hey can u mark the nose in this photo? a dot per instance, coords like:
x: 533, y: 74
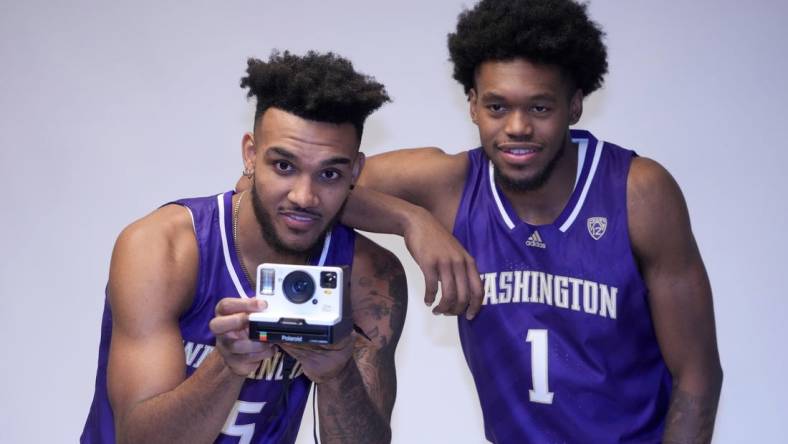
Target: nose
x: 302, y: 194
x: 518, y: 125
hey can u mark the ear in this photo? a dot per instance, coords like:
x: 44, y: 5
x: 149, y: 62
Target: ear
x: 248, y: 151
x: 472, y: 97
x: 576, y: 107
x: 358, y: 165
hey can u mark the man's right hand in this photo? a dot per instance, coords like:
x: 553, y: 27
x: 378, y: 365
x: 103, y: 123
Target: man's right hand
x: 231, y: 328
x: 443, y: 259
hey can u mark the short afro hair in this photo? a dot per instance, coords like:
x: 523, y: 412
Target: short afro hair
x: 552, y: 32
x: 320, y: 87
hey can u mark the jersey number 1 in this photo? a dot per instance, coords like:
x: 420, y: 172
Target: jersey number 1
x: 541, y: 392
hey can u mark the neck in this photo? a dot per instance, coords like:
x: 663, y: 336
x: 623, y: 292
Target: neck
x: 543, y: 205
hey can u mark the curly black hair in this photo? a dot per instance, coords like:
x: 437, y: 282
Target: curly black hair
x: 553, y: 32
x: 320, y: 87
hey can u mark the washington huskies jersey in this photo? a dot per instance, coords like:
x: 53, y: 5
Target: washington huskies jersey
x: 264, y: 412
x: 563, y: 349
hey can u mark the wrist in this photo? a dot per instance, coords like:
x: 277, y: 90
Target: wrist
x: 224, y: 370
x: 412, y: 216
x: 342, y: 377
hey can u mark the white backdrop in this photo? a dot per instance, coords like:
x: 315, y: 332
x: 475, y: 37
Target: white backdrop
x: 109, y: 109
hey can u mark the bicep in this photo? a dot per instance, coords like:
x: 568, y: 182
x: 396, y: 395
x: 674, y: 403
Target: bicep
x: 143, y: 366
x: 150, y: 285
x: 679, y: 291
x: 422, y: 176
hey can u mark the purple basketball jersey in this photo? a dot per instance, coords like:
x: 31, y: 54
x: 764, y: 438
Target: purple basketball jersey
x: 563, y: 350
x: 263, y: 412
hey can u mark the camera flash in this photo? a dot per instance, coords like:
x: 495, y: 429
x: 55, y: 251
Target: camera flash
x: 266, y: 277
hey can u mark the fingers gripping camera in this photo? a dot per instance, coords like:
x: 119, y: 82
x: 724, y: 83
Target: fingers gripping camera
x: 306, y: 304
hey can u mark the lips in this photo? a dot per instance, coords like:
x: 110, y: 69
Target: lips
x: 519, y: 151
x: 518, y: 154
x: 299, y: 220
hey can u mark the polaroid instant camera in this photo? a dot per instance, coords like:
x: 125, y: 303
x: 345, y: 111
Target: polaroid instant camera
x: 306, y: 304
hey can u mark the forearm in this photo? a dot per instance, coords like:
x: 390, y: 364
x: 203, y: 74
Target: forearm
x: 370, y: 210
x: 193, y: 412
x: 692, y: 411
x: 347, y: 413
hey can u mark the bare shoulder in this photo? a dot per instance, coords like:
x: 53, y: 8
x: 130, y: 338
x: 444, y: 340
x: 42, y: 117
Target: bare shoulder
x: 154, y: 263
x: 423, y: 176
x: 658, y: 216
x: 171, y: 223
x: 649, y: 180
x: 378, y: 292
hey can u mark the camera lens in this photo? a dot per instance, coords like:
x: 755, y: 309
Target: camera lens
x: 298, y: 287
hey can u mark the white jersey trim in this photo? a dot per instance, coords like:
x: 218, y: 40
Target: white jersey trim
x: 586, y: 186
x: 497, y: 198
x: 194, y: 227
x: 324, y: 253
x: 582, y: 148
x: 581, y: 158
x: 226, y: 249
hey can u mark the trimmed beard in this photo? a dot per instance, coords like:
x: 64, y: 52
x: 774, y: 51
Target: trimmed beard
x: 533, y: 183
x: 271, y: 237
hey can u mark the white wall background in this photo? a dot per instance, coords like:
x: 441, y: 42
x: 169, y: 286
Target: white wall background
x: 108, y: 109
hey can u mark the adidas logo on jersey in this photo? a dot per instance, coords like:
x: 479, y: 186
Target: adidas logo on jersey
x: 534, y: 240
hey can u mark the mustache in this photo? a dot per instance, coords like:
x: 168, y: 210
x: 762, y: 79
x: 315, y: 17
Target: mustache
x: 301, y: 210
x: 530, y: 143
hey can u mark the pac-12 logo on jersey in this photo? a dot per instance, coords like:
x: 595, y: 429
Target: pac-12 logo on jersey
x: 597, y: 226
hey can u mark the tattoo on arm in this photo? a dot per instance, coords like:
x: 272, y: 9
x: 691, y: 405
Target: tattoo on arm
x: 384, y: 307
x: 690, y: 418
x: 362, y: 400
x: 349, y: 418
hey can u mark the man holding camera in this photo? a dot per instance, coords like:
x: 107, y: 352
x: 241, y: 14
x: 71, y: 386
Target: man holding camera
x: 180, y: 284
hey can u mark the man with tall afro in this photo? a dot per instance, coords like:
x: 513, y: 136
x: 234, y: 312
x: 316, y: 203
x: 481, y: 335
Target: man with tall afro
x: 597, y: 322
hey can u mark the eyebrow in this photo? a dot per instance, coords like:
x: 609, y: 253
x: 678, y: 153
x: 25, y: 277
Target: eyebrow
x: 491, y: 96
x: 337, y: 160
x: 282, y: 152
